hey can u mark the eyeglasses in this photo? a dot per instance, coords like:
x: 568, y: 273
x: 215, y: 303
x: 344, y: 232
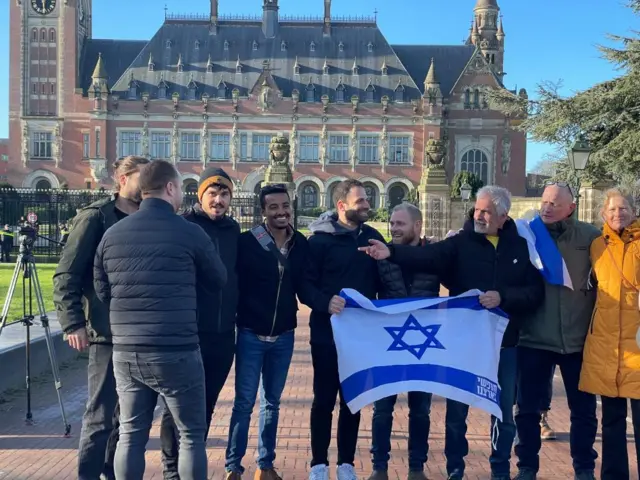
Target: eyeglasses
x: 561, y: 185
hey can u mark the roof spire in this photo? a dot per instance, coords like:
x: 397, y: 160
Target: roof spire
x: 500, y: 28
x: 99, y: 72
x: 431, y: 74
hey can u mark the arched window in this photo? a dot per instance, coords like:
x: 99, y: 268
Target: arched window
x: 467, y: 98
x: 397, y: 194
x: 475, y: 161
x: 330, y: 192
x: 311, y: 94
x: 372, y: 194
x: 476, y: 98
x: 34, y: 35
x: 340, y: 94
x: 309, y: 195
x: 190, y: 187
x: 399, y: 94
x: 52, y: 36
x: 43, y: 184
x: 43, y: 35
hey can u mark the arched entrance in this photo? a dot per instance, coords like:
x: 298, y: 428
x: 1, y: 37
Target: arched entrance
x: 397, y: 194
x: 309, y: 195
x: 43, y: 184
x: 373, y: 195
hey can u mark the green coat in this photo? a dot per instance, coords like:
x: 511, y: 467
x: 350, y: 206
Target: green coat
x: 561, y: 324
x: 73, y: 295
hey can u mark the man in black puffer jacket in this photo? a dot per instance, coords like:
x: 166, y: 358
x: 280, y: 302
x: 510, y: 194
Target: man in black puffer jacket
x: 216, y: 308
x: 398, y: 282
x: 146, y: 268
x: 488, y: 255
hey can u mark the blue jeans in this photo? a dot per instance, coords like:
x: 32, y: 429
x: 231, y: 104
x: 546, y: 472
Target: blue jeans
x: 419, y: 424
x: 178, y: 377
x: 255, y: 359
x: 456, y: 446
x: 534, y: 366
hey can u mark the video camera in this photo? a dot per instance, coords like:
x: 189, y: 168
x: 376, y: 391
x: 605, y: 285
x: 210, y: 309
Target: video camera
x: 26, y: 236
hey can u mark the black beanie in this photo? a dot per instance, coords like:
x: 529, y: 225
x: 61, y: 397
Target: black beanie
x: 213, y: 176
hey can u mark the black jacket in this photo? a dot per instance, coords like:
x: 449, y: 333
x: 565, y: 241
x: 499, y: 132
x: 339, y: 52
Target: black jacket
x: 217, y: 308
x: 400, y: 282
x: 469, y: 261
x: 338, y: 264
x: 147, y: 267
x: 73, y: 294
x: 269, y: 305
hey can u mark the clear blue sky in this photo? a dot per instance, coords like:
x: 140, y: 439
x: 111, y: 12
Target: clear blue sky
x: 546, y: 39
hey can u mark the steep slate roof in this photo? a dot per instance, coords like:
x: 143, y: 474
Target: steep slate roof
x: 297, y: 36
x: 117, y: 55
x: 449, y: 61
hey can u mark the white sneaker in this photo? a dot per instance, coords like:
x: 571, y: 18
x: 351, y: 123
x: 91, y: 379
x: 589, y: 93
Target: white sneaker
x: 319, y: 472
x: 346, y: 472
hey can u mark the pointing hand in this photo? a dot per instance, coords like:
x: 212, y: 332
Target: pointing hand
x: 376, y: 250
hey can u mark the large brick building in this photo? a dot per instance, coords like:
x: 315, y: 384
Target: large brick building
x: 213, y: 89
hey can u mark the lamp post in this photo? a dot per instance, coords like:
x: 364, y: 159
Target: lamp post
x: 578, y: 159
x: 465, y: 193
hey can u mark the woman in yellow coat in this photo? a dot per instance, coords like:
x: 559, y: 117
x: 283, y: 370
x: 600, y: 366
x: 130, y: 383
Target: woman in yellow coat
x: 611, y: 366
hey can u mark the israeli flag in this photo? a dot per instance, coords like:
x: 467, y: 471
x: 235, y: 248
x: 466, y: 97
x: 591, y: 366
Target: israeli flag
x: 543, y: 252
x: 449, y: 346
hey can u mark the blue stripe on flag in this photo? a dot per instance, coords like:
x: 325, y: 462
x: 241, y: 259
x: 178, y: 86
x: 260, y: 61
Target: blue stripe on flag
x: 549, y: 254
x: 468, y: 303
x: 365, y: 380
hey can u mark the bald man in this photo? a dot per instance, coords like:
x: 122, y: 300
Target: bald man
x: 556, y: 336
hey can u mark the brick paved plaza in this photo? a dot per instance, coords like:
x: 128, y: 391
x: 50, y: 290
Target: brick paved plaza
x: 41, y: 453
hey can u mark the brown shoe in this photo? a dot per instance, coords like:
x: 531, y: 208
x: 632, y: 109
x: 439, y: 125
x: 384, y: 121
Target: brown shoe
x: 234, y: 476
x: 546, y: 432
x: 417, y: 476
x: 379, y: 475
x: 267, y: 474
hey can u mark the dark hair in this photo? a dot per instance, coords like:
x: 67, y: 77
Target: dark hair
x: 270, y: 190
x: 154, y: 176
x: 127, y: 166
x: 343, y: 188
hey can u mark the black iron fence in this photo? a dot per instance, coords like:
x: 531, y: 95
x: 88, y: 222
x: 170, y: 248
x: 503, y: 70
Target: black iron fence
x: 55, y: 208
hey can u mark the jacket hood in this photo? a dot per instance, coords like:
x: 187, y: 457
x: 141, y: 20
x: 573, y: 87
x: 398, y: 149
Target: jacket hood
x: 629, y: 234
x: 328, y: 223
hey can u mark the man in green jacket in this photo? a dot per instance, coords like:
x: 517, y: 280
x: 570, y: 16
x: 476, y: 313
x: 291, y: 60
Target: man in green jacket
x: 556, y: 336
x: 85, y: 320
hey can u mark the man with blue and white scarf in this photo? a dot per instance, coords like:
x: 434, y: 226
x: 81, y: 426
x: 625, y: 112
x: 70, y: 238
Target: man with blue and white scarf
x: 559, y: 248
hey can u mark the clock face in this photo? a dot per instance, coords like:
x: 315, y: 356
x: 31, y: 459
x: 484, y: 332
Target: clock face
x: 43, y: 7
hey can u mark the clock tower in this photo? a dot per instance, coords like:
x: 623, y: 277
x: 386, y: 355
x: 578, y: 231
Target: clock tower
x: 46, y: 40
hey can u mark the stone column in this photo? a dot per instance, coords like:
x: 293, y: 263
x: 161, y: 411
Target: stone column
x: 434, y: 192
x: 590, y: 201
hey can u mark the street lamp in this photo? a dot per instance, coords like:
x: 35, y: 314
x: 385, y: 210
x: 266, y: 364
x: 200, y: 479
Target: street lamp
x: 578, y: 158
x: 465, y: 193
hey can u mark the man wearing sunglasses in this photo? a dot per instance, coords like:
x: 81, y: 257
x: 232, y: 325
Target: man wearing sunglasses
x: 555, y: 335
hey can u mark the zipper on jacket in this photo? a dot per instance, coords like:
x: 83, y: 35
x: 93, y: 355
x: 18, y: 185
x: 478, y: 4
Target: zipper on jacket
x: 275, y: 310
x: 220, y: 291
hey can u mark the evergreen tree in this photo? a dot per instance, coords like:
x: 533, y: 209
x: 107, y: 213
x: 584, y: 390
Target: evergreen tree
x: 607, y: 114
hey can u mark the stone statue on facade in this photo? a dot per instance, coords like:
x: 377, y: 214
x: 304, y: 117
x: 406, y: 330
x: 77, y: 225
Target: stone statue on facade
x: 56, y: 146
x: 145, y: 139
x: 323, y: 145
x: 175, y: 143
x: 293, y: 142
x: 384, y: 146
x: 234, y: 144
x: 354, y: 146
x: 25, y: 143
x: 98, y: 169
x: 204, y: 144
x: 506, y: 154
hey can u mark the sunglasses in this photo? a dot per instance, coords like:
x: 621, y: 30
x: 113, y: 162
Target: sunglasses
x: 561, y: 185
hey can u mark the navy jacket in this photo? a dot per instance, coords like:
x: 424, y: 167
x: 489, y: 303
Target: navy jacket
x: 146, y: 268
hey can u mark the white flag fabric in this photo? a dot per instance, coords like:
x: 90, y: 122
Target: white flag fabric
x: 448, y: 346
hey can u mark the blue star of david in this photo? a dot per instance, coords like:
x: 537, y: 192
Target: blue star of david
x: 412, y: 324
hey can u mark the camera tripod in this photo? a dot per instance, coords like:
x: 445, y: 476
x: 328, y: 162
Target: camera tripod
x: 26, y: 264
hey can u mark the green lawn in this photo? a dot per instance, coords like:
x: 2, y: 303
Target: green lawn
x: 45, y: 274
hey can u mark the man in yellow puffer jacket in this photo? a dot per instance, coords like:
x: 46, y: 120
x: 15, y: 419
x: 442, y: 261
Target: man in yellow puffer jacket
x: 611, y: 365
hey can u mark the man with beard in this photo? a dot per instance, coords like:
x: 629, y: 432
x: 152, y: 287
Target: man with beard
x: 488, y: 255
x: 338, y: 263
x: 216, y: 309
x: 273, y: 266
x: 147, y: 268
x: 85, y: 320
x: 397, y: 282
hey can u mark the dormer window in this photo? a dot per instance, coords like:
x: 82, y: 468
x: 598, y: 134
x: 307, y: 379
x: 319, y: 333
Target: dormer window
x: 238, y: 67
x: 369, y: 91
x: 310, y: 94
x: 196, y: 45
x: 255, y: 46
x: 325, y: 69
x: 180, y: 67
x: 193, y: 90
x: 283, y: 46
x: 296, y: 67
x: 209, y: 66
x: 340, y: 93
x: 168, y: 44
x: 152, y: 66
x: 222, y: 91
x: 312, y: 47
x: 398, y: 96
x: 226, y: 45
x: 341, y: 47
x: 133, y: 91
x: 370, y: 47
x: 162, y: 91
x: 354, y: 69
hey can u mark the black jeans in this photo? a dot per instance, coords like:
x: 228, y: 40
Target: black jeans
x: 326, y: 385
x: 534, y: 367
x: 99, y: 435
x: 615, y: 458
x: 6, y: 254
x: 217, y: 352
